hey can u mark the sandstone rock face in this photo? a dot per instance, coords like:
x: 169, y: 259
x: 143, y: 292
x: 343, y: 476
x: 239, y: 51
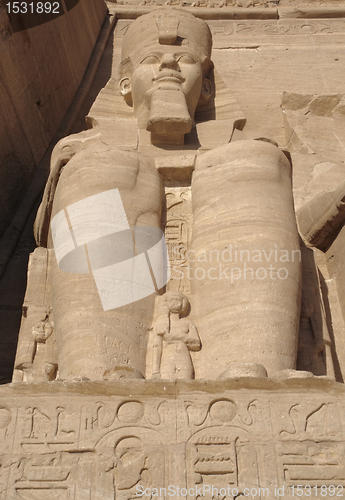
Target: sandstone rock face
x: 41, y: 69
x: 251, y: 439
x: 203, y: 259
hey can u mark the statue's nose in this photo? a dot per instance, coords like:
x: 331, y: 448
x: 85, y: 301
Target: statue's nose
x: 169, y: 61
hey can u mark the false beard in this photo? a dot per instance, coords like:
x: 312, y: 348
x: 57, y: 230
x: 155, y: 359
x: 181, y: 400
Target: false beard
x: 169, y: 115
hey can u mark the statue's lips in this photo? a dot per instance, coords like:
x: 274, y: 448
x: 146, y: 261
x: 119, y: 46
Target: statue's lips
x: 169, y: 78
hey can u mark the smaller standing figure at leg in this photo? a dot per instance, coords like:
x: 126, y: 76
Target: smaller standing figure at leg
x: 174, y: 336
x: 40, y: 362
x: 314, y: 353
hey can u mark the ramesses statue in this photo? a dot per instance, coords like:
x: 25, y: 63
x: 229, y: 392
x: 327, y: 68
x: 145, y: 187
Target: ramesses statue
x: 179, y: 128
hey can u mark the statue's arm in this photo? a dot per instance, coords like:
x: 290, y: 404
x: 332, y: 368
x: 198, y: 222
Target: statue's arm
x: 161, y: 328
x: 51, y: 351
x: 156, y: 356
x: 321, y: 219
x: 193, y: 340
x: 26, y: 354
x: 64, y: 150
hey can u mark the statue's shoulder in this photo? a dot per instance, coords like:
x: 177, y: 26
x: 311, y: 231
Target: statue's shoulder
x: 111, y: 135
x: 99, y: 144
x: 69, y: 146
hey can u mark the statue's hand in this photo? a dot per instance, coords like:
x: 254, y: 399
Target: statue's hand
x: 24, y: 366
x: 49, y: 368
x: 162, y: 326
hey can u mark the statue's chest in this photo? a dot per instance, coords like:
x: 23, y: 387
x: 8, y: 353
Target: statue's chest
x: 97, y: 170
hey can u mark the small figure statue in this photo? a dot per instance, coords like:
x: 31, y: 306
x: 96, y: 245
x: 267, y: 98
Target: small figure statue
x: 311, y: 345
x: 40, y: 362
x: 321, y: 223
x: 174, y: 337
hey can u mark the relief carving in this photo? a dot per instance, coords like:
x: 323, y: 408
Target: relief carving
x: 178, y: 230
x: 315, y: 349
x: 236, y: 31
x: 5, y: 418
x: 246, y: 414
x: 311, y: 347
x: 40, y: 361
x: 101, y: 418
x: 8, y: 420
x: 46, y: 431
x: 36, y: 358
x: 130, y: 412
x: 52, y: 476
x: 137, y: 458
x: 302, y: 421
x: 222, y: 458
x: 311, y: 464
x: 174, y: 335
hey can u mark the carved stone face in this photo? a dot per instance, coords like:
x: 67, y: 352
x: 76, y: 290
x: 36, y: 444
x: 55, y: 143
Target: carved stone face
x: 42, y: 331
x: 177, y: 302
x: 165, y: 67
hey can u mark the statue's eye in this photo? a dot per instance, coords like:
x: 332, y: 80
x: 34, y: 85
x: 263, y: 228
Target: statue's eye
x: 186, y: 59
x: 151, y: 59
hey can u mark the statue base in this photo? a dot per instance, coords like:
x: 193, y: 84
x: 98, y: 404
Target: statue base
x: 134, y: 438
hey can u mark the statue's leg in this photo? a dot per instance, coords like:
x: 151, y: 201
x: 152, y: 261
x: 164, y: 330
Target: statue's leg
x: 94, y: 341
x: 247, y: 280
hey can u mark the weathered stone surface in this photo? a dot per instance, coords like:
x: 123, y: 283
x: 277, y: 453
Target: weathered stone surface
x: 41, y: 69
x: 92, y: 341
x: 101, y: 440
x: 243, y: 223
x: 252, y: 312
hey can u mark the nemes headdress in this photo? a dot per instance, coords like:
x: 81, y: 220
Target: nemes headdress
x: 167, y: 26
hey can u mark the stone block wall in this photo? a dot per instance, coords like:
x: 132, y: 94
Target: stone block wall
x: 40, y: 71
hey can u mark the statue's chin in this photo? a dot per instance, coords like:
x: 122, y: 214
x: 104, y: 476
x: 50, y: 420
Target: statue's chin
x: 169, y: 115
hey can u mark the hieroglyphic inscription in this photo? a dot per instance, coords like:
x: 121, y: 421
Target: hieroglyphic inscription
x: 223, y: 458
x: 46, y: 430
x: 267, y: 27
x: 245, y: 28
x: 311, y: 463
x: 310, y: 3
x: 178, y: 229
x: 216, y: 462
x: 239, y: 5
x: 307, y: 421
x: 101, y: 447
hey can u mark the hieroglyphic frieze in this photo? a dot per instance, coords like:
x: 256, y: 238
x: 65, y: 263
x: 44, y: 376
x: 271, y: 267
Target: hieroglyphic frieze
x: 268, y: 27
x: 103, y: 446
x: 283, y: 27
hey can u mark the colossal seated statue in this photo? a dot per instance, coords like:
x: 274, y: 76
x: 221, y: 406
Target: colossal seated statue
x: 241, y: 255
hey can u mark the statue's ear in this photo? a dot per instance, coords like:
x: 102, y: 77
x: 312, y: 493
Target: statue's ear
x: 126, y: 90
x: 206, y: 92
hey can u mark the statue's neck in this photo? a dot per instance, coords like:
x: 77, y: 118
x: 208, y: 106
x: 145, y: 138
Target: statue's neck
x: 174, y: 316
